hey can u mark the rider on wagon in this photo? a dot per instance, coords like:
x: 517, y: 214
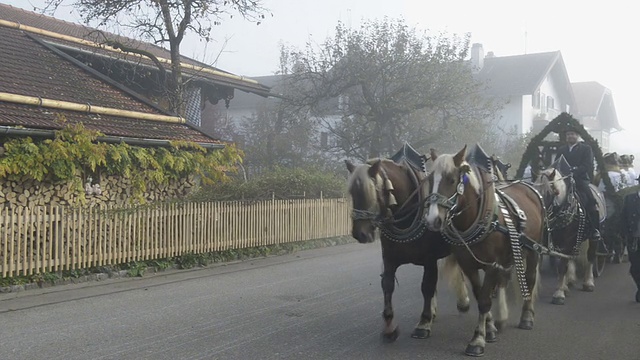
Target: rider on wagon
x: 579, y: 155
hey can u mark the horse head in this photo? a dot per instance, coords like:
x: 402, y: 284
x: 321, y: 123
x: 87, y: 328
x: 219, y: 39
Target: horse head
x: 377, y: 188
x: 552, y: 186
x: 452, y: 181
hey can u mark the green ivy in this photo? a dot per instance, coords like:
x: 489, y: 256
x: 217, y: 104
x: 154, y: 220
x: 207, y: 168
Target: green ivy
x: 74, y: 149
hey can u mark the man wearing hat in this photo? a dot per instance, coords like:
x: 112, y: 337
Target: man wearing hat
x: 631, y: 226
x: 580, y: 156
x: 626, y: 163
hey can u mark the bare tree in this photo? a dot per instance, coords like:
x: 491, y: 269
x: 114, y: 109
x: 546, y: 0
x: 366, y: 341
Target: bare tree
x: 165, y: 22
x: 385, y: 83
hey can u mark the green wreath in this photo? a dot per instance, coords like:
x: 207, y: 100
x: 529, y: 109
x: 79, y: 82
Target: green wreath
x: 560, y: 125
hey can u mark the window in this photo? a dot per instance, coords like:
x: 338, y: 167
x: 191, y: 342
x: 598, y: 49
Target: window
x: 535, y: 100
x: 324, y: 140
x: 551, y: 103
x: 543, y: 103
x: 343, y: 102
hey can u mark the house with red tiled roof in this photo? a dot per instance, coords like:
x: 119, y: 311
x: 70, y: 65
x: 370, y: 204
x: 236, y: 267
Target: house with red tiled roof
x: 51, y: 69
x: 56, y: 61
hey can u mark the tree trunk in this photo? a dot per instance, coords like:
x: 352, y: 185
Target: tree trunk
x: 177, y: 87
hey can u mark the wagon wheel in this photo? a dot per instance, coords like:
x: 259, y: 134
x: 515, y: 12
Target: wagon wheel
x: 601, y: 260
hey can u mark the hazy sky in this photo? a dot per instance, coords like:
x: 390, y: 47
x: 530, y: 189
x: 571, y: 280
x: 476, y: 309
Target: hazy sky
x: 597, y: 40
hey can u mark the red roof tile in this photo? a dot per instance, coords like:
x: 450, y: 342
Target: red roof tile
x: 31, y: 69
x: 48, y: 23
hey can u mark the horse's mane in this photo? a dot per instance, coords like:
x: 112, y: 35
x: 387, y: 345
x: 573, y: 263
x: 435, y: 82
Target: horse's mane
x: 444, y: 164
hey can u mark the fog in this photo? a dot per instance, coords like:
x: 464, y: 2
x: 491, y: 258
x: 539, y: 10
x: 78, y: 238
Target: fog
x: 596, y: 41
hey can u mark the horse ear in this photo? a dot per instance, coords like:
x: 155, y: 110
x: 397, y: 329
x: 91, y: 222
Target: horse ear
x: 459, y: 157
x: 432, y: 153
x: 350, y: 166
x: 553, y: 174
x: 374, y: 169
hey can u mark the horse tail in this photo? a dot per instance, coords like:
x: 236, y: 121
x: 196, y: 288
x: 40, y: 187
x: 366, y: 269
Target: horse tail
x: 514, y: 285
x: 451, y: 271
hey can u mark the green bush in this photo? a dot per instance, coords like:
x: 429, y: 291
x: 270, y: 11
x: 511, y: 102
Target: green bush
x: 281, y: 183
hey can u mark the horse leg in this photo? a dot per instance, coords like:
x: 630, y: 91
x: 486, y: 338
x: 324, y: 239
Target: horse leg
x: 531, y: 277
x: 588, y: 283
x: 485, y: 330
x: 428, y: 288
x: 502, y: 308
x: 390, y: 332
x: 564, y: 277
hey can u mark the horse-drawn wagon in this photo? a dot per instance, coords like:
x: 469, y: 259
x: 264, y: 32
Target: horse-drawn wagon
x: 542, y: 153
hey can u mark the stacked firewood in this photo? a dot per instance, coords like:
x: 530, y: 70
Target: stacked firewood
x: 114, y: 190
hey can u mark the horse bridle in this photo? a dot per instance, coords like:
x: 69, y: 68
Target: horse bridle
x: 449, y: 203
x: 555, y: 190
x: 375, y: 214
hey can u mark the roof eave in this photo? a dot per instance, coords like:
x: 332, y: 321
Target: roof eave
x: 19, y: 131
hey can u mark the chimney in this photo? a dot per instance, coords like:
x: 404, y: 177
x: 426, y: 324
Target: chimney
x: 477, y: 57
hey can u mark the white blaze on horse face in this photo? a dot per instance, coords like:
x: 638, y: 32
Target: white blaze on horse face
x: 434, y: 212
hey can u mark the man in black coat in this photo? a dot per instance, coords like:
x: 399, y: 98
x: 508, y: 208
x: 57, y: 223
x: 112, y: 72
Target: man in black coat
x: 631, y: 227
x: 580, y: 156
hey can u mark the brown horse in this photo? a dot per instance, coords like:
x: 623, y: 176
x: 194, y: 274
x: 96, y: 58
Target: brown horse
x: 389, y: 195
x: 567, y: 221
x: 486, y: 225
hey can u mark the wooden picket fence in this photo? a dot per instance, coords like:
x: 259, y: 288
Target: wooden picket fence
x: 52, y: 238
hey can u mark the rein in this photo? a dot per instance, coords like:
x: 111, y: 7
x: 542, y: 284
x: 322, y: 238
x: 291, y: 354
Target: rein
x: 385, y: 219
x: 484, y: 221
x: 417, y: 227
x: 481, y: 227
x: 561, y: 215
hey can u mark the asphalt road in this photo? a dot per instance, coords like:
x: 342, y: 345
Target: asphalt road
x: 317, y: 304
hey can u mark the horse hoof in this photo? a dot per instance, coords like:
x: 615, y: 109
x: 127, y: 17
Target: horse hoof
x: 420, y: 333
x: 526, y: 324
x: 391, y: 337
x: 491, y: 337
x: 501, y: 325
x: 474, y: 350
x: 588, y: 288
x: 463, y: 308
x: 557, y: 300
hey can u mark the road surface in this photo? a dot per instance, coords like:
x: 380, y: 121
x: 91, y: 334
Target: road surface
x: 316, y: 304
